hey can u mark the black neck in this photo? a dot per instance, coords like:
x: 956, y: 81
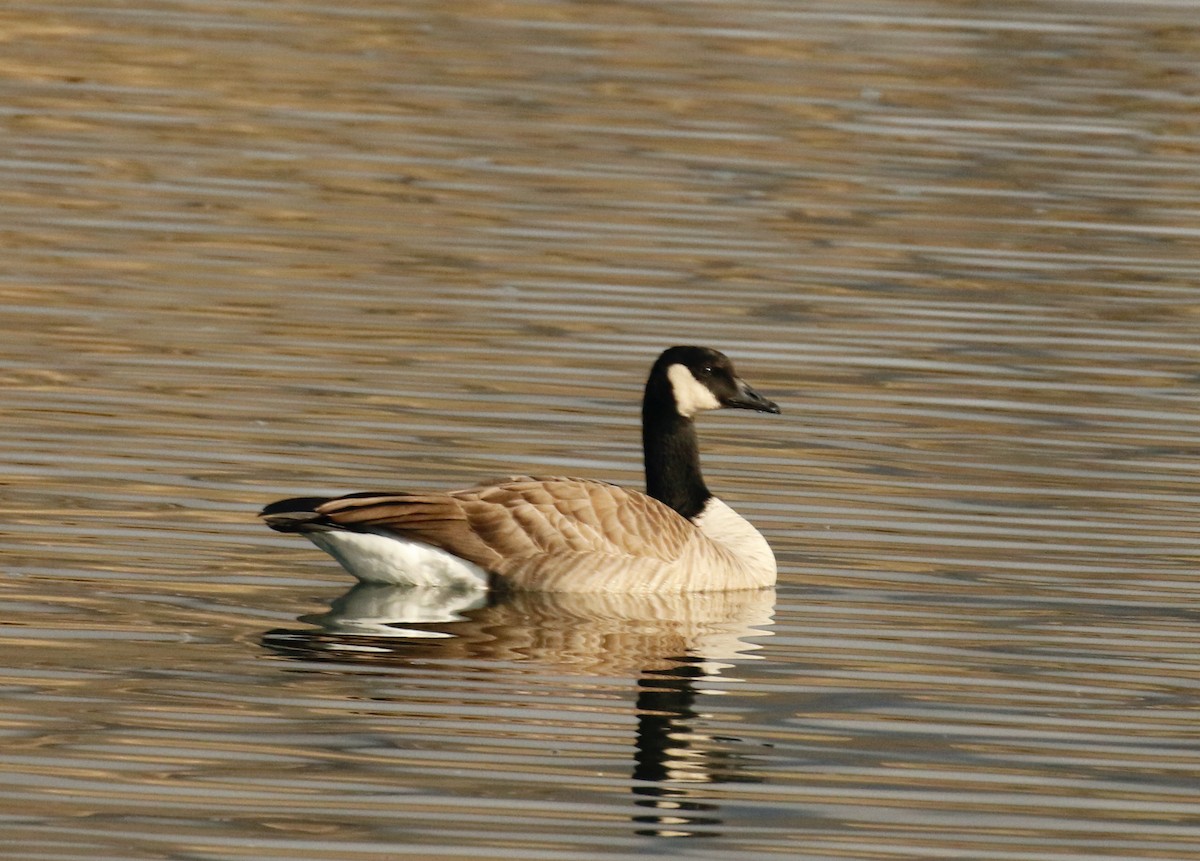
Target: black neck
x: 672, y: 456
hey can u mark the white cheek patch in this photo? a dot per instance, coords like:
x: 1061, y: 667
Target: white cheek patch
x: 691, y: 395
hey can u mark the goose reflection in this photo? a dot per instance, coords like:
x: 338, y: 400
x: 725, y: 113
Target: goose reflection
x: 671, y: 646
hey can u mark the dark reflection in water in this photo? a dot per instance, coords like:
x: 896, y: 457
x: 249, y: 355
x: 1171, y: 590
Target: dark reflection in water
x: 671, y: 754
x: 669, y: 647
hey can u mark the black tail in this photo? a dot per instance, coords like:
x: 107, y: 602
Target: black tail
x: 296, y: 515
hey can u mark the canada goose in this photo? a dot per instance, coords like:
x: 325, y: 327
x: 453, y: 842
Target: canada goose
x: 564, y: 534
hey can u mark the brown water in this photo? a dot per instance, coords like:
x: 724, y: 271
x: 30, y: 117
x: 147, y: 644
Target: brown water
x: 260, y: 249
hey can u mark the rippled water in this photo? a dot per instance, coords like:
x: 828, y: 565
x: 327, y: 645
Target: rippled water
x: 254, y: 250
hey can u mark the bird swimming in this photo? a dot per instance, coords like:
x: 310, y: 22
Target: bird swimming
x: 555, y: 534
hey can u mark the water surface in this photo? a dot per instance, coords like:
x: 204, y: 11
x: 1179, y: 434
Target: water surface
x: 256, y: 250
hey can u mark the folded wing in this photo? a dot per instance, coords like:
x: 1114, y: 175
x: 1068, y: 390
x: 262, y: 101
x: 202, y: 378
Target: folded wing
x: 531, y: 531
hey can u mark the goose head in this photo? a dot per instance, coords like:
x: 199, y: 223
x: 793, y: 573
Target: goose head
x: 698, y: 378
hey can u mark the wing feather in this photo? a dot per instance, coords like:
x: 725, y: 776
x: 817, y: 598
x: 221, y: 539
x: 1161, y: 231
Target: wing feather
x: 528, y: 524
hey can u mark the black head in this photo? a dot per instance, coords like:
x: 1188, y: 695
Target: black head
x: 698, y: 378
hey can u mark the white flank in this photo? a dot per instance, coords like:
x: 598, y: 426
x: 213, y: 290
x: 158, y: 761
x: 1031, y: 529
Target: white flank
x: 726, y: 527
x: 691, y: 395
x: 385, y: 558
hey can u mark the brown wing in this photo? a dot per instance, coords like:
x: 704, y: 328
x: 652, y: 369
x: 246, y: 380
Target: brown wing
x: 502, y: 526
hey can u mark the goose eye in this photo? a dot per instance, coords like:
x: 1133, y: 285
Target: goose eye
x: 708, y: 370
